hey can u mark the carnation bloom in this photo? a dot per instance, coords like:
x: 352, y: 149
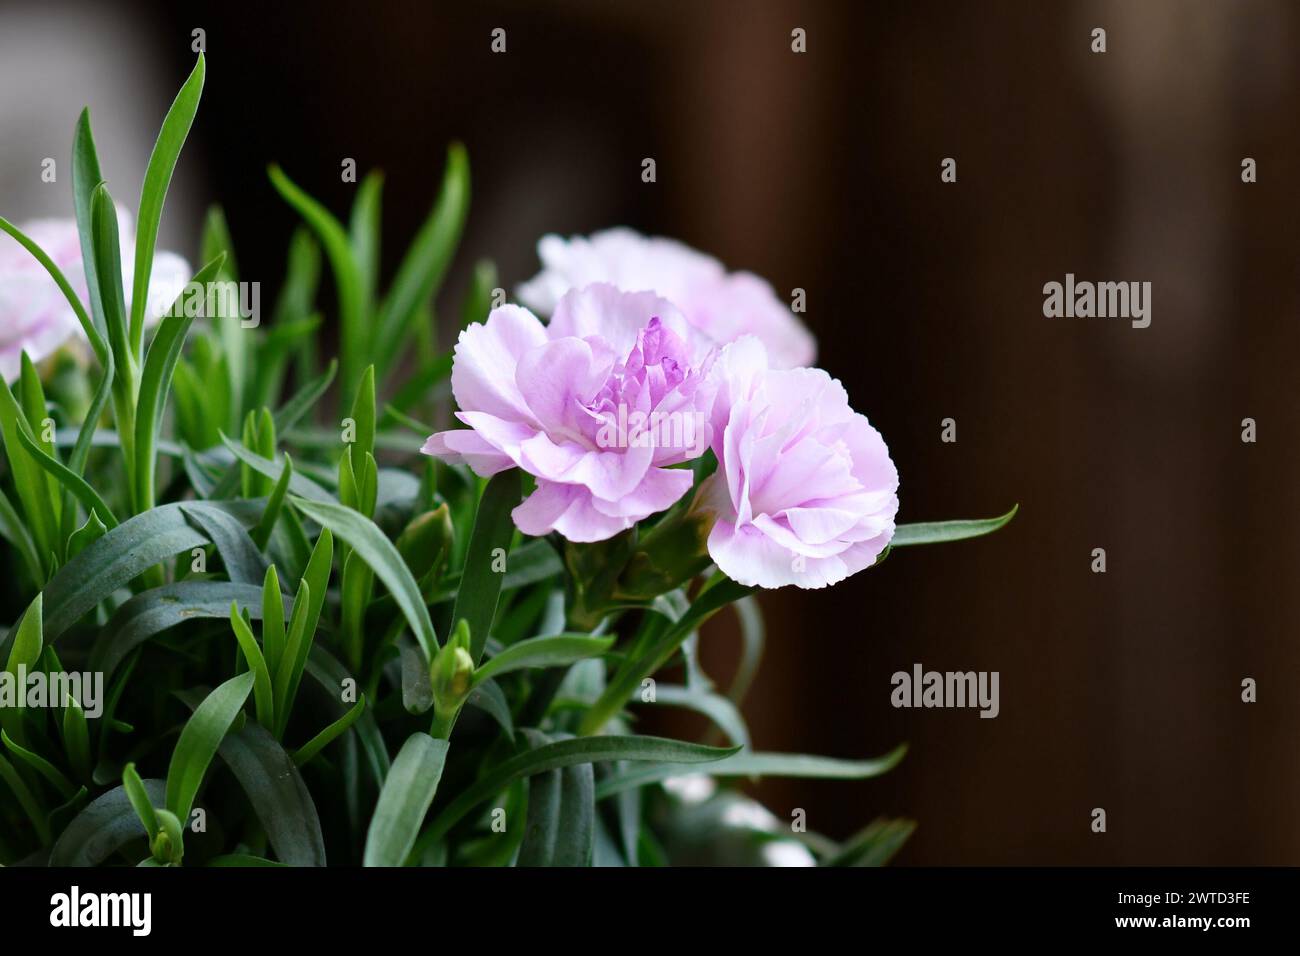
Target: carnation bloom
x: 805, y: 492
x: 596, y: 406
x: 723, y: 305
x: 36, y: 318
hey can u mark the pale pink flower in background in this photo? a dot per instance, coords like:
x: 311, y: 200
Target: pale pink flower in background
x: 550, y: 399
x: 36, y: 318
x: 723, y: 305
x: 805, y: 492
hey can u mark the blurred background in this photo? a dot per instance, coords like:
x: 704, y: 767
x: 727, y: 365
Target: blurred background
x: 821, y: 171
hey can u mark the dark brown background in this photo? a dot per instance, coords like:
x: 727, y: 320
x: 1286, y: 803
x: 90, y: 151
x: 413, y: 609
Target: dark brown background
x: 822, y: 171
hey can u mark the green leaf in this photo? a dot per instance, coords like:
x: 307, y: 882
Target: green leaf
x: 405, y: 799
x: 42, y: 766
x: 480, y: 584
x: 15, y: 532
x: 25, y: 652
x: 106, y: 825
x: 29, y: 479
x: 561, y: 824
x: 298, y: 484
x: 199, y: 740
x: 85, y: 177
x: 365, y: 538
x: 302, y: 626
x: 244, y: 563
x: 278, y: 794
x: 156, y: 379
x: 108, y: 268
x: 241, y: 860
x: 363, y: 234
x: 363, y: 414
x: 87, y: 324
x: 311, y: 748
x: 262, y: 693
x: 292, y: 411
x: 157, y: 610
x: 874, y: 845
x: 26, y: 799
x: 720, y: 592
x: 262, y: 533
x: 157, y: 177
x: 354, y: 334
x: 488, y: 697
x: 749, y: 764
x: 70, y: 480
x: 568, y: 753
x: 560, y: 650
x: 142, y: 802
x: 717, y: 708
x: 425, y: 262
x: 934, y: 532
x: 478, y: 300
x: 76, y: 738
x: 272, y: 620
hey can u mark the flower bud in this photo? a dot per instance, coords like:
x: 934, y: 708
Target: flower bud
x: 452, y: 672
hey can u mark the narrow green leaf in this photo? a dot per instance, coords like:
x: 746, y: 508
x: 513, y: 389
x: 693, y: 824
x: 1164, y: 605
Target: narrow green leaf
x: 298, y: 484
x: 26, y: 799
x: 292, y: 411
x: 244, y: 563
x: 481, y: 580
x: 875, y: 844
x: 749, y: 764
x: 426, y: 261
x: 363, y: 234
x: 567, y: 753
x: 70, y: 480
x: 156, y: 611
x: 488, y: 697
x: 24, y: 652
x: 76, y: 738
x: 353, y: 331
x: 278, y: 794
x: 561, y: 824
x: 87, y: 324
x: 42, y: 766
x: 199, y: 740
x: 107, y: 824
x: 29, y: 479
x: 934, y: 532
x: 717, y: 708
x: 262, y: 693
x: 560, y: 650
x: 716, y: 595
x: 157, y: 177
x: 365, y: 538
x: 85, y: 177
x: 156, y: 379
x: 405, y: 799
x: 311, y: 748
x: 272, y: 620
x: 142, y: 802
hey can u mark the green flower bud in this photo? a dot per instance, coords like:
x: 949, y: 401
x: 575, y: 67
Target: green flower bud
x: 452, y: 674
x: 168, y: 844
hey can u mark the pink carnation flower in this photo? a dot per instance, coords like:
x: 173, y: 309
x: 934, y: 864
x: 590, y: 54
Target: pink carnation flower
x: 723, y: 305
x: 36, y: 318
x: 596, y: 406
x: 805, y: 492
